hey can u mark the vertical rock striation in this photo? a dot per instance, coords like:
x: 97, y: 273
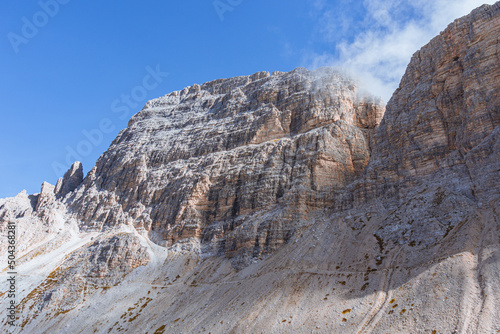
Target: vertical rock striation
x: 446, y: 107
x: 199, y: 165
x: 283, y: 203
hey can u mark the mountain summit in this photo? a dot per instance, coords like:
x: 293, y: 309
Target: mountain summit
x: 282, y: 203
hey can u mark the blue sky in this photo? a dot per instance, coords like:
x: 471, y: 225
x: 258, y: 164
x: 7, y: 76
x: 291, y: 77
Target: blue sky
x: 74, y: 72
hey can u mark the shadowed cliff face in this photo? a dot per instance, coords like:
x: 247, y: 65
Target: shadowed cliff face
x: 283, y: 204
x: 233, y: 165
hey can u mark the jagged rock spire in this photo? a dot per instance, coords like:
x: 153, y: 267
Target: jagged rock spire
x: 71, y: 180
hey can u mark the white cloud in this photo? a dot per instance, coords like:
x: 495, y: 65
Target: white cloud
x: 392, y: 31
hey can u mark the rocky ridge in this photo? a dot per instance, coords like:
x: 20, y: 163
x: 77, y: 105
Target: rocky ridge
x: 283, y: 203
x: 196, y: 167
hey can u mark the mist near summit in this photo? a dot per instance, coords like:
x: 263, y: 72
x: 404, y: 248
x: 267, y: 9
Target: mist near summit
x: 376, y: 51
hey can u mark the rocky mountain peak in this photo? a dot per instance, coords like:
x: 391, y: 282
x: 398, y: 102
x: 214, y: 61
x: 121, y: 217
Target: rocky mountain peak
x: 71, y: 180
x: 218, y: 153
x: 283, y: 202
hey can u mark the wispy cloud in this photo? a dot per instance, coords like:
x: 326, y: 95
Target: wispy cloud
x: 384, y: 41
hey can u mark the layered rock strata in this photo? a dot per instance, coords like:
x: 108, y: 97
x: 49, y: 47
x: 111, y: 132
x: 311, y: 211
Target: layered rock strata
x: 201, y: 166
x: 280, y: 204
x: 445, y: 109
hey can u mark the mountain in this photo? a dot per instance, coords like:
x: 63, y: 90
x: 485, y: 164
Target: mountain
x: 282, y: 203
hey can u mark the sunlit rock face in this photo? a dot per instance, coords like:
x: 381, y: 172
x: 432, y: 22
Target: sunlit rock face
x: 446, y: 108
x: 282, y: 203
x: 196, y: 167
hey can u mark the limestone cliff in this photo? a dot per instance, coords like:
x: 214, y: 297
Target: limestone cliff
x: 197, y: 167
x: 283, y: 203
x: 445, y: 108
